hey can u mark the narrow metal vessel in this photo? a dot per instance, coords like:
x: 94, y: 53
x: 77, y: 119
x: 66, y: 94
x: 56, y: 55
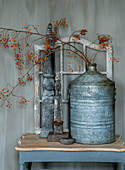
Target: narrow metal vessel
x: 92, y: 108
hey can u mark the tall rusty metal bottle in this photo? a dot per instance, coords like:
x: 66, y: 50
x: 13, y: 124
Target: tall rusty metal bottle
x: 92, y: 108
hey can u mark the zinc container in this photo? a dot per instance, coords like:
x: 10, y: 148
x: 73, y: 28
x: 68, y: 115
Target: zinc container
x: 92, y: 108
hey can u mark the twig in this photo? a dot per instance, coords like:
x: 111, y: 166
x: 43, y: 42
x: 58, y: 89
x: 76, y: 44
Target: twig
x: 14, y: 30
x: 17, y: 85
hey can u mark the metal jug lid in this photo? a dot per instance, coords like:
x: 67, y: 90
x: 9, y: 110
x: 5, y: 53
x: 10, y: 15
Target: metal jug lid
x: 92, y: 67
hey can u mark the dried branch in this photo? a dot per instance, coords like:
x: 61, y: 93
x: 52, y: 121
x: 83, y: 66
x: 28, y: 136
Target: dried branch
x: 33, y: 58
x: 21, y: 31
x: 11, y: 92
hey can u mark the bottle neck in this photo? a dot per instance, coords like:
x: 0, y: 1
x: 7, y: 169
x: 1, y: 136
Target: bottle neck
x: 92, y: 67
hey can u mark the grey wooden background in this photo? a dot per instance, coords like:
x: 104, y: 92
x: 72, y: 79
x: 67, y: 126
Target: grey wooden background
x: 98, y: 16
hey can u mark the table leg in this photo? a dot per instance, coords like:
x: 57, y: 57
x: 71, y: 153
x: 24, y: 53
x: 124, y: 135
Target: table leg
x: 28, y: 165
x: 21, y: 166
x: 114, y: 165
x: 122, y: 166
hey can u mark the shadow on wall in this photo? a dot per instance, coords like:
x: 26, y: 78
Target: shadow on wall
x: 119, y: 109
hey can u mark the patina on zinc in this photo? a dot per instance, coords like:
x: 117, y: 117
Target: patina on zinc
x: 92, y: 107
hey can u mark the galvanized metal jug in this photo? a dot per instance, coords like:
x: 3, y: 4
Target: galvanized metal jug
x: 92, y: 108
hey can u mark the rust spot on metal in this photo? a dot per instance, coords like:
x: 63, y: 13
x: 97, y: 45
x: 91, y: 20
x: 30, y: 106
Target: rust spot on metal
x: 57, y: 122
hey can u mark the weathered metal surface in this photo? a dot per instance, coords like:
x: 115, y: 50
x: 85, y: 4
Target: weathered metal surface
x: 92, y: 107
x: 57, y: 134
x: 52, y: 137
x: 67, y: 141
x: 58, y: 123
x: 48, y: 91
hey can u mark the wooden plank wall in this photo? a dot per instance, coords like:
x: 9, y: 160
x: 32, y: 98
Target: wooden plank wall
x: 98, y: 16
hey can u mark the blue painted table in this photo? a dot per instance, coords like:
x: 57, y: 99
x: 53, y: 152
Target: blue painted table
x: 34, y: 149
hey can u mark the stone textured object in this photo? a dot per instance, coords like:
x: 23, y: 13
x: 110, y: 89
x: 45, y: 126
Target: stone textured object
x: 67, y: 141
x: 58, y: 123
x: 58, y: 133
x: 52, y: 137
x: 48, y: 90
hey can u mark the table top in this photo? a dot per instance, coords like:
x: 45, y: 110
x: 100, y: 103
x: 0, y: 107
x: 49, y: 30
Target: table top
x: 32, y: 142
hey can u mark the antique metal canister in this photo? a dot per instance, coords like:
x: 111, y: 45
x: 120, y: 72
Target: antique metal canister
x: 92, y: 108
